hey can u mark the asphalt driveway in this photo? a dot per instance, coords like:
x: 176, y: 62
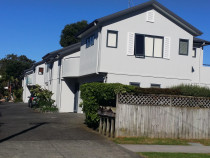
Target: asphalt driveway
x: 28, y: 134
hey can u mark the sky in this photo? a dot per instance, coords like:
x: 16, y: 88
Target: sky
x: 33, y: 27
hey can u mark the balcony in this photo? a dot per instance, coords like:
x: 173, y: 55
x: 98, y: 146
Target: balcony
x: 71, y: 67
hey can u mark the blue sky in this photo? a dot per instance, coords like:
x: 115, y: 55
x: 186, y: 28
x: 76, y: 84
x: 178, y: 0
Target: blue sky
x: 33, y: 27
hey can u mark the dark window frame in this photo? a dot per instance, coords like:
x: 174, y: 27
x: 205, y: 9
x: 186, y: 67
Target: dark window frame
x: 194, y: 56
x: 153, y: 53
x: 154, y: 85
x: 137, y: 84
x: 107, y: 39
x: 184, y: 40
x: 90, y: 41
x: 40, y: 71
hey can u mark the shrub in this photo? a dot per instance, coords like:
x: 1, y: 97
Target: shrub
x: 43, y: 99
x: 18, y: 95
x: 95, y: 94
x: 192, y: 90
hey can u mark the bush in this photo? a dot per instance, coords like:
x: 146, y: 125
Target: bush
x: 18, y: 95
x: 95, y: 95
x: 192, y: 90
x: 43, y: 99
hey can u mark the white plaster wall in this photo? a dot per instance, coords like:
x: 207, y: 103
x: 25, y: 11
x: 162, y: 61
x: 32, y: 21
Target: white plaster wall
x: 145, y: 81
x: 26, y: 92
x: 67, y: 96
x: 39, y: 79
x: 88, y: 57
x: 71, y: 65
x: 115, y: 60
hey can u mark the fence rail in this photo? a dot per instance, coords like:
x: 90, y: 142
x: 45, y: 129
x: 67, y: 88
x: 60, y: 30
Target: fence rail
x: 162, y: 116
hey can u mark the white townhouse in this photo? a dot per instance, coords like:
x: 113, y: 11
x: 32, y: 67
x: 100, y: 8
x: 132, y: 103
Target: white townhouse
x: 33, y: 76
x: 146, y: 46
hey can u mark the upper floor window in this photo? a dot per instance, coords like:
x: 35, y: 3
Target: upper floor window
x: 183, y: 46
x: 194, y: 52
x: 149, y: 46
x: 90, y: 41
x: 41, y: 71
x: 112, y: 39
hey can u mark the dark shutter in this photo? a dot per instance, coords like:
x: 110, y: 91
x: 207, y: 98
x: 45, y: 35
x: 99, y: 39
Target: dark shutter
x: 139, y: 46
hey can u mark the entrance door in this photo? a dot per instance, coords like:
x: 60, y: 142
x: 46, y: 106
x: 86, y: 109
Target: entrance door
x: 76, y: 95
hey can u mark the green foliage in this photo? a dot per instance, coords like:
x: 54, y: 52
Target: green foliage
x: 68, y: 35
x: 95, y: 94
x: 192, y: 90
x: 43, y: 99
x: 11, y: 69
x: 18, y: 94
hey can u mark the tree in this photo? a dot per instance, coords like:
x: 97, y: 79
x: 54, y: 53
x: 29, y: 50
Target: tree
x: 11, y: 69
x: 68, y: 35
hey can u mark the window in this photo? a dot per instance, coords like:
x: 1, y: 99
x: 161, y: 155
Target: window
x: 194, y: 52
x: 137, y: 84
x: 90, y: 41
x: 41, y: 71
x: 149, y: 46
x: 183, y: 46
x: 112, y: 37
x: 155, y: 85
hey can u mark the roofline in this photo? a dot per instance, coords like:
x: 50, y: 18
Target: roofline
x: 153, y: 3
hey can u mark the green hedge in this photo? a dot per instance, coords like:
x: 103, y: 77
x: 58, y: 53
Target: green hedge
x: 104, y: 94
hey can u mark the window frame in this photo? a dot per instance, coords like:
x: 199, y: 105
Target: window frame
x: 137, y: 84
x: 89, y: 39
x: 153, y: 52
x: 153, y: 85
x: 40, y: 71
x: 107, y: 39
x: 194, y: 56
x: 184, y: 40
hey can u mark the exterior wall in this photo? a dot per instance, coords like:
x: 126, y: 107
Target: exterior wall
x: 26, y: 92
x: 145, y: 81
x: 66, y: 96
x: 71, y: 65
x: 115, y: 60
x: 89, y: 56
x: 39, y: 79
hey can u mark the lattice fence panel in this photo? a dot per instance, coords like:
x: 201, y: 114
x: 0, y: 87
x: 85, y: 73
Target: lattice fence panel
x: 164, y: 100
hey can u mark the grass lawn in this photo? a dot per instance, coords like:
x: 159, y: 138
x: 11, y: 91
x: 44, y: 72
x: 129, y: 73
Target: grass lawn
x: 173, y: 155
x: 158, y: 141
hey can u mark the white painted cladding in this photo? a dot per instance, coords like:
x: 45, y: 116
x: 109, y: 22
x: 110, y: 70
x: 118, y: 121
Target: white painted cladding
x: 115, y: 60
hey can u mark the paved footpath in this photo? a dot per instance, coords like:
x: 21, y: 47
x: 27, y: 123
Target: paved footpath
x: 28, y: 134
x: 168, y: 148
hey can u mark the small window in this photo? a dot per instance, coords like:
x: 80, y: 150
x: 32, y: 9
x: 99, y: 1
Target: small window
x: 87, y: 42
x: 137, y: 84
x: 194, y: 53
x: 183, y: 47
x: 90, y: 41
x: 41, y: 71
x: 112, y: 37
x: 155, y: 85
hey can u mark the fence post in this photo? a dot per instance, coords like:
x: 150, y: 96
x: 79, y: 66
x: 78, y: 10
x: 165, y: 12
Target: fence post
x: 104, y: 126
x: 107, y: 127
x: 100, y: 125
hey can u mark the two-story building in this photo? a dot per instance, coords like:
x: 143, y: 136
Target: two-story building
x: 33, y: 76
x: 146, y: 46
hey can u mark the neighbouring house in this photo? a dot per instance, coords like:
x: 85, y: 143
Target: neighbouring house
x: 146, y: 45
x: 33, y: 76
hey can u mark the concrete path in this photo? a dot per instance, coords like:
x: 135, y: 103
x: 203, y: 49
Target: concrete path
x: 28, y: 134
x: 167, y: 148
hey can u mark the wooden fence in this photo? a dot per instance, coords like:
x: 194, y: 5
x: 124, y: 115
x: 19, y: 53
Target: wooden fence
x: 159, y: 116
